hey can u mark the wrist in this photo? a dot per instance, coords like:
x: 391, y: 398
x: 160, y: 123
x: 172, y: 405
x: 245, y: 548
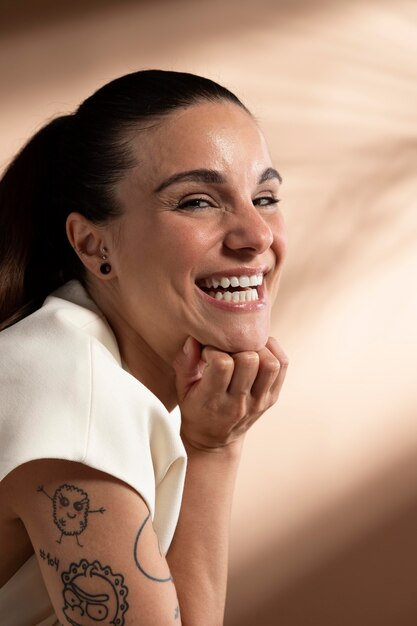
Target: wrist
x: 231, y: 450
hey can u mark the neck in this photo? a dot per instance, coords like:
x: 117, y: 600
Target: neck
x: 138, y: 357
x: 145, y: 365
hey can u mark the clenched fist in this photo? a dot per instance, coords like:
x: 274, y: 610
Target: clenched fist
x: 221, y: 395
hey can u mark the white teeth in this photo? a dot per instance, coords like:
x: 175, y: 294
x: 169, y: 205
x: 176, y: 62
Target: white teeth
x: 234, y: 281
x: 249, y: 295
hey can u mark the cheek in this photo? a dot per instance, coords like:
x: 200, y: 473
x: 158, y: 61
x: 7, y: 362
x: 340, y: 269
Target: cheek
x: 176, y: 250
x: 185, y: 243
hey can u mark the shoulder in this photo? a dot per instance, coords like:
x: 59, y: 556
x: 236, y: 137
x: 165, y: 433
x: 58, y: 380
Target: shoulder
x: 52, y: 348
x: 43, y: 355
x: 46, y: 366
x: 50, y: 339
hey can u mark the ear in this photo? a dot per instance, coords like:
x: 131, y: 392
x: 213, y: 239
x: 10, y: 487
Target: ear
x: 89, y: 242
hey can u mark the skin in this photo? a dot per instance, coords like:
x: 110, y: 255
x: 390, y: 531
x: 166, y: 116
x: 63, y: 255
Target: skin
x: 218, y: 364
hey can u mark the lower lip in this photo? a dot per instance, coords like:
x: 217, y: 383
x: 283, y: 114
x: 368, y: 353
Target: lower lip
x: 237, y: 307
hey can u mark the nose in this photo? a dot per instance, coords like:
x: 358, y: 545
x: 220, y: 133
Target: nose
x: 248, y: 231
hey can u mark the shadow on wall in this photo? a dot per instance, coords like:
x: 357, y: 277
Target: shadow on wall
x: 350, y: 587
x: 18, y: 15
x: 367, y: 222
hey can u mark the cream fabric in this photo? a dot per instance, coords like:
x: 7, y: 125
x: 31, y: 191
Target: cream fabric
x: 65, y: 395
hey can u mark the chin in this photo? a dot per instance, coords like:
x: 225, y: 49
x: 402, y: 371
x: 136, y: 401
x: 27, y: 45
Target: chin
x: 248, y: 341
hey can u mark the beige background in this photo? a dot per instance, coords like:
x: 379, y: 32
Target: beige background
x: 325, y: 516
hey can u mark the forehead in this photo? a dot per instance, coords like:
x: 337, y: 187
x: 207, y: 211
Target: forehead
x: 215, y: 135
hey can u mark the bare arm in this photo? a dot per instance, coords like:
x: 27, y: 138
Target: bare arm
x: 221, y: 396
x: 198, y: 556
x: 94, y: 541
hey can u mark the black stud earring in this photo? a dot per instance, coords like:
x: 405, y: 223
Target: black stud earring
x: 105, y: 268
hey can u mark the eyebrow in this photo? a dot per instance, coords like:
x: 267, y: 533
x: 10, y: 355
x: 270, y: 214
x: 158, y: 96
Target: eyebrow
x: 269, y: 174
x: 211, y: 177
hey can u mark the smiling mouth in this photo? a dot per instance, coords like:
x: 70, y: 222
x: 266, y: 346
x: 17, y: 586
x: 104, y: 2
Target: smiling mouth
x: 233, y: 289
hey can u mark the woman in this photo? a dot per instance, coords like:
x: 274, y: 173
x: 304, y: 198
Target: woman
x: 151, y: 214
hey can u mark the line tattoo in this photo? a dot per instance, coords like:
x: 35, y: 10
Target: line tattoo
x: 52, y: 561
x: 93, y: 593
x: 71, y: 508
x: 136, y: 556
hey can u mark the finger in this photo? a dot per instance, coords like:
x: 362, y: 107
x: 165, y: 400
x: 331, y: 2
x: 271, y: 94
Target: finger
x: 187, y: 366
x: 268, y: 373
x: 217, y: 373
x: 246, y: 366
x: 273, y: 345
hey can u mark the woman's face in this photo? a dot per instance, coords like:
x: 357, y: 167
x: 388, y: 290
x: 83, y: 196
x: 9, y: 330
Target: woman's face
x: 199, y: 213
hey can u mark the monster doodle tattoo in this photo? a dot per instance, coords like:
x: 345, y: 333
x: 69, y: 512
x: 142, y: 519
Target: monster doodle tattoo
x: 71, y: 508
x: 93, y: 594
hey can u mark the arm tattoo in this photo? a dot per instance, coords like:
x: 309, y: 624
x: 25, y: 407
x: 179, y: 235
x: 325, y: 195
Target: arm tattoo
x: 93, y: 593
x: 136, y: 556
x: 71, y: 508
x: 52, y: 561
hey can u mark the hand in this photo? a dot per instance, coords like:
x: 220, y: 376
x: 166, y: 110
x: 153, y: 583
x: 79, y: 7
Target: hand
x: 221, y: 395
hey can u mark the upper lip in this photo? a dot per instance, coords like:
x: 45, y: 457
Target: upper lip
x: 236, y: 271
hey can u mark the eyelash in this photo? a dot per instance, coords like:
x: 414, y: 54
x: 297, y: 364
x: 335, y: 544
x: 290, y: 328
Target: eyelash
x: 271, y: 200
x: 188, y: 204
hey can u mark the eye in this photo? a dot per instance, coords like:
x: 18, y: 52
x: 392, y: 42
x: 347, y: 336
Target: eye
x: 63, y: 501
x: 193, y: 204
x: 78, y: 506
x: 265, y: 201
x: 70, y: 598
x: 97, y: 612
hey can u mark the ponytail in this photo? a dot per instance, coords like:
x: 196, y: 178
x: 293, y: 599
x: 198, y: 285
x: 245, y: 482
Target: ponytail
x: 31, y: 263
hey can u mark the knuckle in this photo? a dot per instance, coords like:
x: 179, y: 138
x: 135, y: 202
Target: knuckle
x: 222, y: 362
x: 248, y: 359
x: 284, y: 362
x: 272, y: 366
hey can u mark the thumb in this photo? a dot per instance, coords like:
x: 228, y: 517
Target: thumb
x: 188, y: 366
